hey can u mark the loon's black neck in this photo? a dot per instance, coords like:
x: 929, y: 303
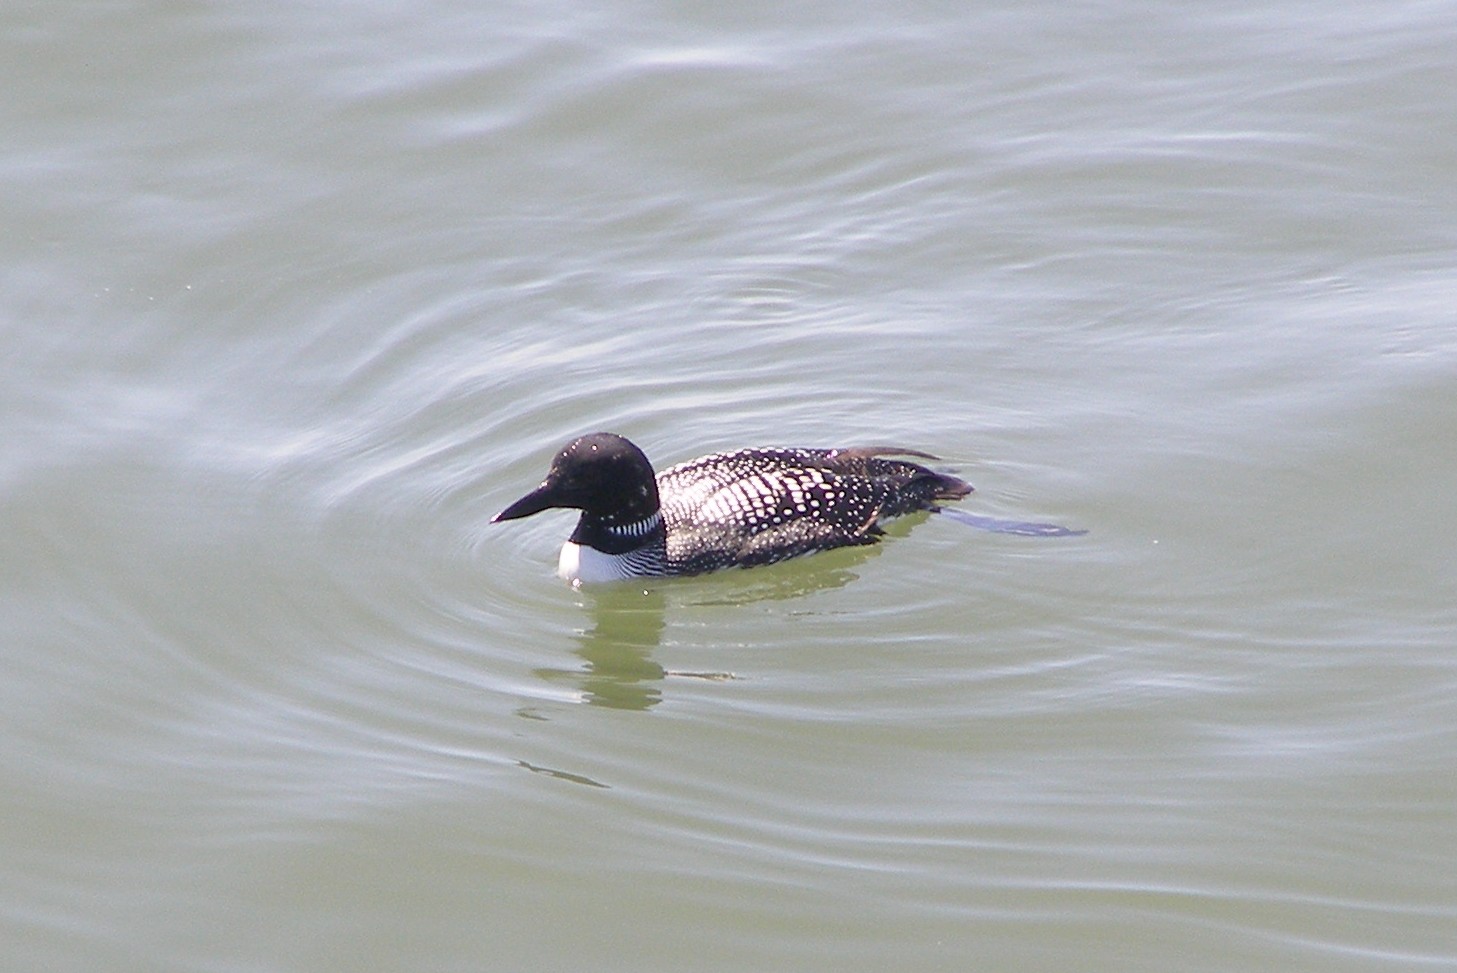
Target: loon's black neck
x: 611, y: 536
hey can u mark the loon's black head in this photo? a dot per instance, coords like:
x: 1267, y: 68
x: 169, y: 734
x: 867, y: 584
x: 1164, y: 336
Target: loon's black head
x: 603, y: 475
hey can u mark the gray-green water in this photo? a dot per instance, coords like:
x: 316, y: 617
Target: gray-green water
x: 294, y: 297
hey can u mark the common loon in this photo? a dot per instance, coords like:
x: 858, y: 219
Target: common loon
x: 735, y: 509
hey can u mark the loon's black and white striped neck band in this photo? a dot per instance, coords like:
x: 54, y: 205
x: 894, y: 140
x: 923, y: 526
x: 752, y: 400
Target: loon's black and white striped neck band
x: 641, y: 528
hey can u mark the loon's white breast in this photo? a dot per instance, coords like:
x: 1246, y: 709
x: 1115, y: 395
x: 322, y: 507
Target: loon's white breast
x: 581, y: 564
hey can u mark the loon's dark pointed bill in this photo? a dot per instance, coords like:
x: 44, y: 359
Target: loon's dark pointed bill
x: 533, y: 503
x: 1024, y: 528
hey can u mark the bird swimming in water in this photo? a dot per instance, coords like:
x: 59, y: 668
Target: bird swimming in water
x: 734, y: 509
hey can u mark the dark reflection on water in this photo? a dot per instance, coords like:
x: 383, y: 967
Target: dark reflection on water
x: 1025, y: 528
x: 561, y: 775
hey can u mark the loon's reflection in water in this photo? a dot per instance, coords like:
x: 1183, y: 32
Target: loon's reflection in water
x: 628, y: 621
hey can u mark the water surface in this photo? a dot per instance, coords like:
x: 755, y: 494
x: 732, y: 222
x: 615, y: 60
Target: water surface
x: 296, y: 297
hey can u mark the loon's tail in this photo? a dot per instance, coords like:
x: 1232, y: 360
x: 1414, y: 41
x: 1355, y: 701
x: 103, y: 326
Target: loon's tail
x: 1022, y: 527
x: 921, y: 485
x: 920, y: 488
x: 944, y: 486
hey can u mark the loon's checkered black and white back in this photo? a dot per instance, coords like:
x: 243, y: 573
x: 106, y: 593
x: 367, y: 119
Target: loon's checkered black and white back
x: 758, y: 506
